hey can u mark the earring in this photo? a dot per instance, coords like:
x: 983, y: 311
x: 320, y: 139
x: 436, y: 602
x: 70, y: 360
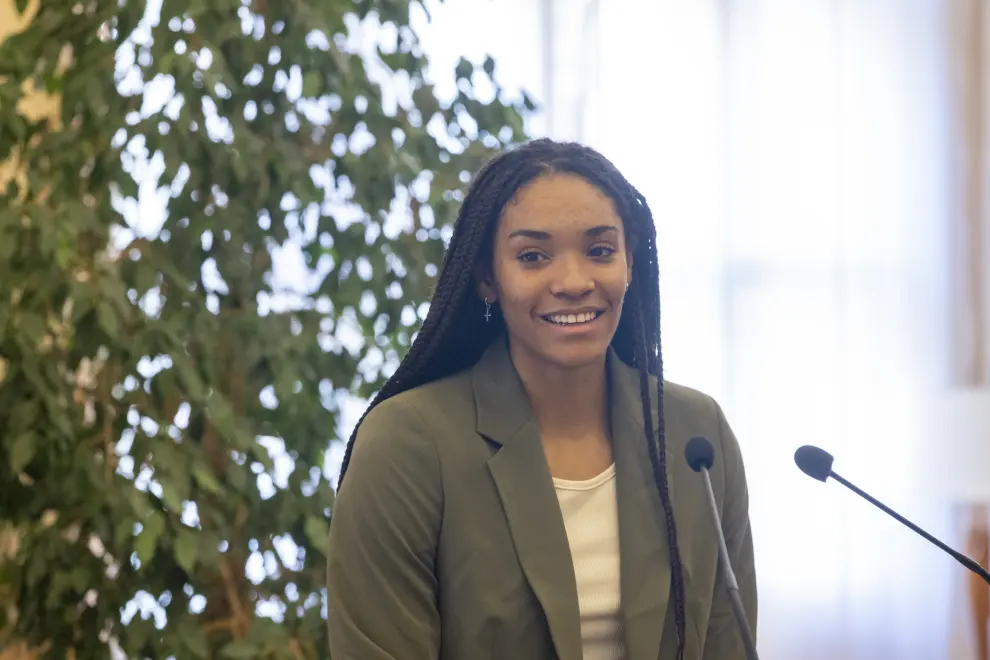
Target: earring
x: 488, y: 310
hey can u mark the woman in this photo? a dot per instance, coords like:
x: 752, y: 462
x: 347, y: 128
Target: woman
x: 515, y: 491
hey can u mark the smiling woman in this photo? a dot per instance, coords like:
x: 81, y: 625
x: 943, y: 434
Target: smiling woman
x: 560, y: 269
x: 510, y: 492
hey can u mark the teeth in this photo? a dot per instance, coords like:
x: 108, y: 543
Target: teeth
x: 568, y: 319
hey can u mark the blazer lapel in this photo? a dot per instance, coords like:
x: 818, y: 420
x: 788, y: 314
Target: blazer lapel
x: 645, y: 569
x: 525, y: 487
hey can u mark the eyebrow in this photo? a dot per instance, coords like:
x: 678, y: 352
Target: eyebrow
x: 544, y: 236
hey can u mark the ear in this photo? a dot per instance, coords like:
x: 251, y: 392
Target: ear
x: 486, y: 285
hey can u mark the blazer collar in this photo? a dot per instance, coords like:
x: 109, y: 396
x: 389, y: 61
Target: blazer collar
x: 525, y: 486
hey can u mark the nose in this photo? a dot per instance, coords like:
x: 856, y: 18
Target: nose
x: 571, y: 279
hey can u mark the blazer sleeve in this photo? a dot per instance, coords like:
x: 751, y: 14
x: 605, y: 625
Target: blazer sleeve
x: 384, y: 529
x: 723, y: 641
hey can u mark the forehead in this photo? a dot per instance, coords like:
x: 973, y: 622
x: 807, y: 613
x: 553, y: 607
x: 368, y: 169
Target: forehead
x: 559, y: 203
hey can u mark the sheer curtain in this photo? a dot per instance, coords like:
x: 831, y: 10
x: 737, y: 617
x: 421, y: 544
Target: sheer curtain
x: 797, y: 160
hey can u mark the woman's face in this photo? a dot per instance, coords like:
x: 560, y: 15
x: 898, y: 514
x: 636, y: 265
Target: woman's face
x: 560, y: 270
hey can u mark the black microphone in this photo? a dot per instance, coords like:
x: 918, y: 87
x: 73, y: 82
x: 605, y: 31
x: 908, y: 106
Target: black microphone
x: 817, y: 464
x: 700, y: 457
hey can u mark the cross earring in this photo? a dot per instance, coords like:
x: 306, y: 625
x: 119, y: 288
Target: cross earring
x: 488, y: 310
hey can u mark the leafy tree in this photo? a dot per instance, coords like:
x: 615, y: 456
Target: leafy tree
x: 165, y: 404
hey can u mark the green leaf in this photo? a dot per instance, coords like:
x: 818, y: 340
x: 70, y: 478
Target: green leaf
x: 22, y: 6
x: 188, y: 376
x: 6, y: 250
x: 147, y: 540
x: 185, y: 549
x: 241, y: 649
x: 266, y: 632
x: 312, y: 84
x: 464, y: 69
x: 22, y: 450
x: 204, y: 477
x: 124, y: 531
x: 108, y: 319
x: 206, y: 552
x: 237, y: 476
x: 195, y: 639
x: 32, y: 325
x: 171, y: 498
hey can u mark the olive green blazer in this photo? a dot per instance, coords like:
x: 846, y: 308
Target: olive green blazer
x: 447, y: 541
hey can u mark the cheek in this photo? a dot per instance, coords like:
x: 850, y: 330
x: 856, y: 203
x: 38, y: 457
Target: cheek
x: 517, y: 292
x: 613, y: 279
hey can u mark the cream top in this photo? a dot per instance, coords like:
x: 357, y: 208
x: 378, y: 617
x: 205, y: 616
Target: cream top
x: 591, y: 519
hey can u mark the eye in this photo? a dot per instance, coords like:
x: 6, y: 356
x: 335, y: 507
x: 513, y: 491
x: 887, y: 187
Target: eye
x: 601, y: 251
x: 530, y: 257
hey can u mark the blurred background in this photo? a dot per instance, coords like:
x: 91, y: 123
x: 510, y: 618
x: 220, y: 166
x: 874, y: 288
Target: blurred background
x: 818, y: 174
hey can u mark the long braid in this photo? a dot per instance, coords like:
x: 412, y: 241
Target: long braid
x: 658, y: 457
x: 454, y: 321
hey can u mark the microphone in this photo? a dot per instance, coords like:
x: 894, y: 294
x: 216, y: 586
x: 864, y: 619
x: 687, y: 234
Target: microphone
x: 817, y: 464
x: 700, y: 457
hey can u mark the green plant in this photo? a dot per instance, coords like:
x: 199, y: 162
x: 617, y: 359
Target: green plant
x: 165, y: 408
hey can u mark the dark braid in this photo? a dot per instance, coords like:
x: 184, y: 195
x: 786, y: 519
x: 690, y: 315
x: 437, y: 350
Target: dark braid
x: 454, y: 334
x: 658, y: 450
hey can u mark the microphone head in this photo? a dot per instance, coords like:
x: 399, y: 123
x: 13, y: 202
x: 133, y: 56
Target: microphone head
x: 699, y: 454
x: 814, y: 462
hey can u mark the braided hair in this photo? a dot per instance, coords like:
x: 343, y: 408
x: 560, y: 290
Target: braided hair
x: 455, y: 334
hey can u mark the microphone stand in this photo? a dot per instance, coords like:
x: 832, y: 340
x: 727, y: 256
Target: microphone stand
x: 732, y: 585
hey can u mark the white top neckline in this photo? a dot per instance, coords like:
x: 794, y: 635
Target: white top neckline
x: 585, y: 484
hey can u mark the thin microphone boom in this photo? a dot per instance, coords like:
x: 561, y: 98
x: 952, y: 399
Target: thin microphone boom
x: 732, y: 585
x: 700, y: 457
x: 817, y: 464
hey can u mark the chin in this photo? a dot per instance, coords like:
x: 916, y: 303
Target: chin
x: 575, y: 357
x: 542, y: 349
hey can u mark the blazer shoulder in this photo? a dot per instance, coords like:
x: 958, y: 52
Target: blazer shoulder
x: 406, y: 433
x: 430, y: 407
x: 689, y: 401
x: 702, y: 412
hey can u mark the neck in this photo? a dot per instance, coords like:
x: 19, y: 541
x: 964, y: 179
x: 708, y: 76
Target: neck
x: 566, y: 402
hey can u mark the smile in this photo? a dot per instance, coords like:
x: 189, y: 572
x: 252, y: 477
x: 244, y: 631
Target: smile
x: 572, y: 319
